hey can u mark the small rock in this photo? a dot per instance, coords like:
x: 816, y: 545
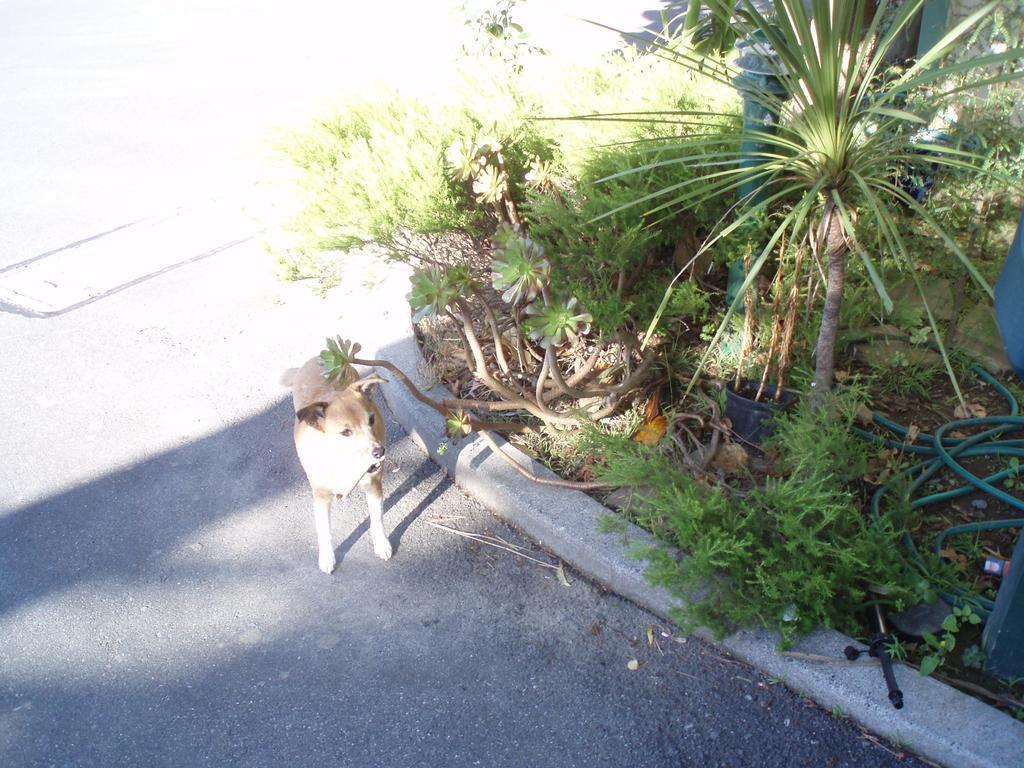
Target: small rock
x: 979, y: 504
x: 926, y: 617
x: 591, y: 404
x: 937, y: 292
x: 251, y: 636
x: 884, y: 353
x: 328, y: 641
x: 978, y: 334
x: 622, y: 498
x: 748, y: 697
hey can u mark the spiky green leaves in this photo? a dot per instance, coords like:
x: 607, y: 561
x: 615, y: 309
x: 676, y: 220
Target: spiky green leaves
x: 338, y: 356
x: 434, y: 289
x: 520, y: 269
x: 522, y: 273
x: 556, y: 323
x: 489, y: 185
x: 541, y: 175
x: 457, y: 424
x: 464, y: 159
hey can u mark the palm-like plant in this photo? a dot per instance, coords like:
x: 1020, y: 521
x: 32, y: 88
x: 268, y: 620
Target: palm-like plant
x: 845, y: 139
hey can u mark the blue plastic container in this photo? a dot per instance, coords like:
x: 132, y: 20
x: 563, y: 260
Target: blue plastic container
x: 1010, y: 302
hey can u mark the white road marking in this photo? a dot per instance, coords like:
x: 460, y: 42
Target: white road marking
x: 96, y: 267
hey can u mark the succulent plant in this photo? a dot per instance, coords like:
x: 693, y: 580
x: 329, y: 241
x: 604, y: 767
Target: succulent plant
x: 520, y: 268
x: 338, y: 356
x: 461, y: 278
x: 556, y: 323
x: 464, y: 158
x: 433, y: 289
x: 540, y: 175
x: 457, y: 424
x: 505, y: 237
x: 489, y: 142
x: 488, y: 185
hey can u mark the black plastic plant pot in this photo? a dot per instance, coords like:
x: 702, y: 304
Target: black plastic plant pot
x: 752, y: 420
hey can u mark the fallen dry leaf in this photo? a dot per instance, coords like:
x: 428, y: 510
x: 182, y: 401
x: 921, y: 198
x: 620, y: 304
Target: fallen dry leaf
x: 954, y: 557
x: 650, y: 635
x: 864, y: 415
x: 912, y: 432
x: 730, y: 457
x: 562, y: 578
x: 970, y: 410
x: 879, y: 467
x: 652, y: 432
x: 653, y: 408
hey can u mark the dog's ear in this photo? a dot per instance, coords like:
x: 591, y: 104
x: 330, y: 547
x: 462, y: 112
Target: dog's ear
x: 361, y: 385
x: 313, y: 415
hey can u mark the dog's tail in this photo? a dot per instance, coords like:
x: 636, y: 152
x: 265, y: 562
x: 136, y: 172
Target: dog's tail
x: 288, y: 377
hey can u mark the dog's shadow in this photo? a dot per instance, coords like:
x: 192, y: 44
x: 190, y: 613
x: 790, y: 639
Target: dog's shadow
x: 416, y: 479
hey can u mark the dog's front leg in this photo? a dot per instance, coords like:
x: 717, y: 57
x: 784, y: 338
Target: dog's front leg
x: 322, y: 516
x: 375, y: 503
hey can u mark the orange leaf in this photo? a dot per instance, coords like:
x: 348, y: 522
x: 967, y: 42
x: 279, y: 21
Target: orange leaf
x: 653, y: 409
x: 652, y: 432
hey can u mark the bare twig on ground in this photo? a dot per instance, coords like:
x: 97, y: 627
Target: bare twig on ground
x: 554, y: 481
x: 445, y: 406
x: 496, y: 542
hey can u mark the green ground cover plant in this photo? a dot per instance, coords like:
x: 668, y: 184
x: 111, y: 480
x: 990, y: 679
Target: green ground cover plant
x: 372, y: 169
x: 792, y: 554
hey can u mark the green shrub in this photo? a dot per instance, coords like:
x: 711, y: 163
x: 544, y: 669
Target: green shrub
x: 378, y: 170
x: 379, y: 167
x: 792, y: 555
x: 371, y: 170
x: 617, y: 265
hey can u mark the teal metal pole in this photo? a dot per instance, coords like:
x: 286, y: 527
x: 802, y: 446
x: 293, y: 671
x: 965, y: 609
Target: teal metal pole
x: 761, y: 90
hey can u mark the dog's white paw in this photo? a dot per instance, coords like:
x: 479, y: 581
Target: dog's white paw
x: 382, y: 548
x: 327, y: 562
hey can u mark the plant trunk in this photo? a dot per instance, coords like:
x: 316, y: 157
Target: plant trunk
x: 831, y: 233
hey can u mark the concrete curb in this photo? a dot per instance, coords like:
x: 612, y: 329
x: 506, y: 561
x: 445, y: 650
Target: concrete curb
x: 937, y: 721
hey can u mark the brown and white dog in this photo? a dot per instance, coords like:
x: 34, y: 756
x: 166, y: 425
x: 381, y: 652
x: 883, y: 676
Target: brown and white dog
x: 339, y: 437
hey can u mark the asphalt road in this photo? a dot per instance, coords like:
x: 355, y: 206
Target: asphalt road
x: 160, y: 602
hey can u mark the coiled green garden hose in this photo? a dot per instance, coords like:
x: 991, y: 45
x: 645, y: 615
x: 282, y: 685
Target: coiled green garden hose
x: 943, y: 452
